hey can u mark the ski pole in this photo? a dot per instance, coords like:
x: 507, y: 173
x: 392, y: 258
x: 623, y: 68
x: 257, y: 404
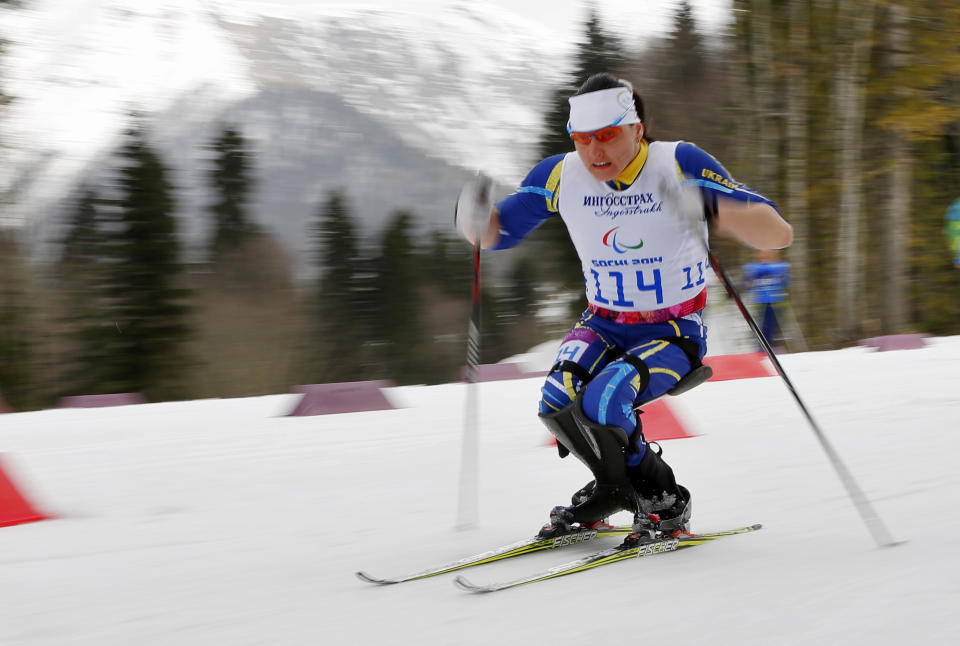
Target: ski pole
x: 873, y: 522
x: 468, y: 501
x: 468, y: 496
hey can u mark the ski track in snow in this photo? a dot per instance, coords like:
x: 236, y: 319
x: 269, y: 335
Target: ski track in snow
x: 225, y: 522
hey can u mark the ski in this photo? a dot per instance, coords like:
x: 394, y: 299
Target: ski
x: 604, y: 557
x: 527, y: 546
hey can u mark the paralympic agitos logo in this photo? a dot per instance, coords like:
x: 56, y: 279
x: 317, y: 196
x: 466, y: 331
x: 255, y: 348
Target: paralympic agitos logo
x: 610, y: 240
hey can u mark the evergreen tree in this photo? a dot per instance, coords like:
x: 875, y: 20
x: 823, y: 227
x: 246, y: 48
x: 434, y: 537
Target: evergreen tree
x: 599, y: 52
x: 516, y: 308
x: 145, y: 273
x: 84, y: 236
x: 344, y: 309
x: 5, y: 99
x: 686, y: 62
x: 519, y: 297
x: 679, y: 81
x: 18, y: 348
x: 445, y: 265
x: 446, y: 262
x: 337, y: 250
x: 231, y: 178
x: 16, y: 344
x: 399, y: 327
x: 84, y: 283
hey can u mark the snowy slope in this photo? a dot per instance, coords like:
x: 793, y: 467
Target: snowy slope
x: 224, y: 522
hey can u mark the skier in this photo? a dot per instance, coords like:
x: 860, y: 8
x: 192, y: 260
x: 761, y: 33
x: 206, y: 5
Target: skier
x: 766, y: 281
x: 636, y: 210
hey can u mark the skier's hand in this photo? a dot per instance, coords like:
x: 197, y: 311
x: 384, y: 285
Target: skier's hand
x: 474, y: 208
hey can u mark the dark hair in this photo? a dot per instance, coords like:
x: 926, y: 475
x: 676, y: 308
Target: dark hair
x: 605, y: 81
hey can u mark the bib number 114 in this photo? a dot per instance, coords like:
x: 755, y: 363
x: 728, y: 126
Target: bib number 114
x: 655, y: 285
x: 646, y: 281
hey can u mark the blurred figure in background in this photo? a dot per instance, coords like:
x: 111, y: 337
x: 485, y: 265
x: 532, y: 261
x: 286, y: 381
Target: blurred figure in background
x: 766, y: 281
x: 952, y: 229
x: 637, y: 211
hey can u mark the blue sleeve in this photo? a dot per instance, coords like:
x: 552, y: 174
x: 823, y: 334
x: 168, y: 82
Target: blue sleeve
x: 698, y: 165
x: 530, y: 205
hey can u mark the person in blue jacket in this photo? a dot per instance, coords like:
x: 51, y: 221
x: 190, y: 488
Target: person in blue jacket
x: 767, y: 281
x: 637, y: 212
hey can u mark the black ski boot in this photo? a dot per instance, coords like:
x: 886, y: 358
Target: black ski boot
x: 675, y: 520
x: 651, y: 527
x: 646, y: 529
x: 659, y: 494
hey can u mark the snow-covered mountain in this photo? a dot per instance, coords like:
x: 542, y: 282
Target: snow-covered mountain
x: 464, y: 83
x: 395, y: 106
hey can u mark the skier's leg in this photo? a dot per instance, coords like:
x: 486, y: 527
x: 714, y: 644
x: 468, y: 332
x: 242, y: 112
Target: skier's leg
x: 603, y: 450
x: 583, y: 353
x: 647, y: 371
x: 593, y: 417
x: 597, y: 429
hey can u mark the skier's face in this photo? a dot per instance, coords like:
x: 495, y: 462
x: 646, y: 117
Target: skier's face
x: 607, y: 159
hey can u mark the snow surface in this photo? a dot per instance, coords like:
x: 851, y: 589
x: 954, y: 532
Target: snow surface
x: 225, y: 522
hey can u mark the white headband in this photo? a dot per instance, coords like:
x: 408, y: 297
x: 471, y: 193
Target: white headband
x: 595, y: 110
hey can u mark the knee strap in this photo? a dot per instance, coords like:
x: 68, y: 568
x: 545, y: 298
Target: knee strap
x: 573, y: 368
x: 641, y: 368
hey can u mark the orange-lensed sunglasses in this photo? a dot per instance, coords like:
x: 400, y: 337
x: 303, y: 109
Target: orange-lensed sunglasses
x: 603, y: 135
